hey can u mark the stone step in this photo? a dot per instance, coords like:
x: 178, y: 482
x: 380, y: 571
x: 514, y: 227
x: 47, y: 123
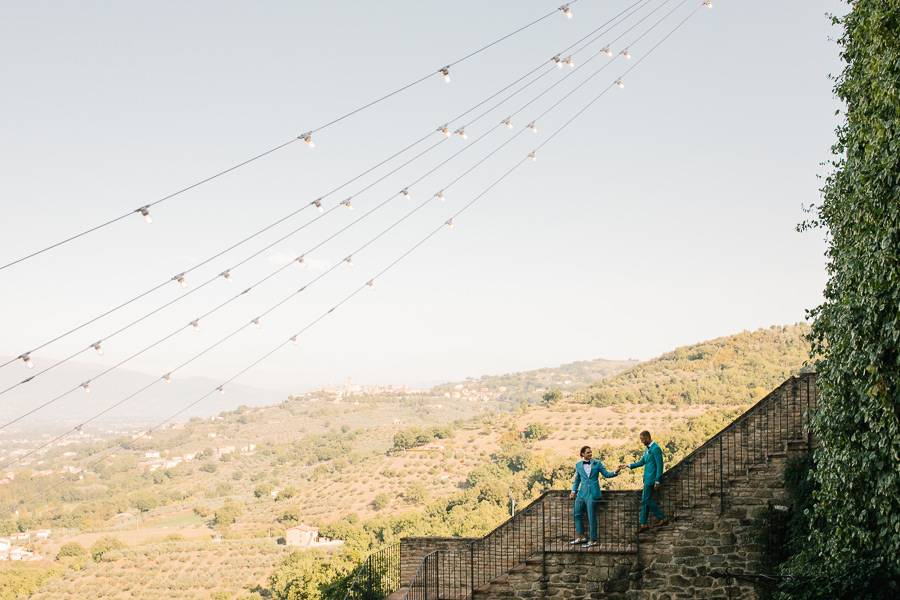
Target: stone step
x: 777, y: 454
x: 717, y: 493
x: 743, y: 479
x: 803, y: 443
x: 759, y: 467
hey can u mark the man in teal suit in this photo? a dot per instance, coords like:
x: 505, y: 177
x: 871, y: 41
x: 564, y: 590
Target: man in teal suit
x: 586, y: 492
x: 653, y: 469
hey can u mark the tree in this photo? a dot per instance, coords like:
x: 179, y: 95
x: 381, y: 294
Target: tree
x: 552, y: 397
x: 416, y: 492
x: 381, y: 501
x: 144, y: 501
x: 536, y: 431
x: 856, y: 332
x: 71, y: 550
x: 263, y: 490
x: 106, y: 544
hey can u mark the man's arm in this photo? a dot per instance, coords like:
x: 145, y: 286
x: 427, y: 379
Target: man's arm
x: 656, y: 456
x: 575, y: 483
x: 604, y: 472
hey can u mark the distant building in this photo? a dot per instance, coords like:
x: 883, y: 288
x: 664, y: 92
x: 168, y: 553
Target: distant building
x: 301, y: 536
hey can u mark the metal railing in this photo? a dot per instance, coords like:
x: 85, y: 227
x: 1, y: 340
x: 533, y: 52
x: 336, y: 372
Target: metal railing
x: 377, y: 577
x: 702, y: 478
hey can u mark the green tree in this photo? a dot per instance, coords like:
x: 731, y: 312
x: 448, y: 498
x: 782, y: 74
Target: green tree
x: 856, y: 332
x: 381, y: 501
x: 263, y: 490
x: 536, y: 431
x: 552, y: 397
x: 416, y: 492
x: 71, y: 550
x: 105, y: 544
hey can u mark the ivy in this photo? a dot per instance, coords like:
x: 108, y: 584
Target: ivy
x: 856, y: 330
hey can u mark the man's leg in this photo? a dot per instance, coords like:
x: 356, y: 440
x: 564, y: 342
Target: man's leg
x: 646, y: 500
x: 576, y: 512
x: 591, y: 506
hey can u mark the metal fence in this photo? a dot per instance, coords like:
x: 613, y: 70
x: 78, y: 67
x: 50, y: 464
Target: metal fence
x: 377, y: 577
x: 779, y: 421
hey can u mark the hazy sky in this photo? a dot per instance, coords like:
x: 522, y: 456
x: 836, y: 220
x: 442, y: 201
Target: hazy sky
x: 662, y: 215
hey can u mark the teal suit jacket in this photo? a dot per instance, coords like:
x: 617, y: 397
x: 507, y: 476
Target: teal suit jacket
x: 652, y: 462
x: 589, y: 486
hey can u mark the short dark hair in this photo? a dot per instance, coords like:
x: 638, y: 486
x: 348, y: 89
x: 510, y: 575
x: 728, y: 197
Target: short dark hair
x: 646, y: 434
x: 583, y: 448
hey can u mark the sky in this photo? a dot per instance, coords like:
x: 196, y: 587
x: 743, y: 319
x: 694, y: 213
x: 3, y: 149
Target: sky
x: 656, y: 215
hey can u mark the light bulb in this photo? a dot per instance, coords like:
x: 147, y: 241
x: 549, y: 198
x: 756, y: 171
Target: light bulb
x: 318, y: 204
x: 196, y: 324
x: 221, y: 391
x: 87, y: 387
x: 450, y: 223
x: 168, y: 377
x: 533, y: 156
x: 619, y: 83
x: 79, y: 430
x: 440, y: 195
x: 371, y: 284
x: 146, y: 213
x: 227, y: 276
x: 405, y: 192
x: 625, y: 53
x: 533, y: 127
x: 294, y: 339
x: 180, y: 279
x: 348, y: 204
x: 256, y: 322
x: 508, y: 122
x: 96, y: 346
x: 462, y: 133
x: 565, y: 9
x: 307, y: 137
x: 349, y: 260
x: 707, y: 4
x: 445, y: 129
x: 446, y: 72
x: 570, y: 63
x: 607, y: 51
x: 26, y: 358
x: 557, y: 61
x: 302, y: 262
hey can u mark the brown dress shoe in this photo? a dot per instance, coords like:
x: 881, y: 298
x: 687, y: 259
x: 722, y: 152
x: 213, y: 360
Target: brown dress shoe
x: 662, y: 523
x: 642, y: 529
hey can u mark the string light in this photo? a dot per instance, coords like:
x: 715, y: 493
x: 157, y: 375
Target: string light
x: 80, y: 430
x: 180, y: 279
x: 348, y: 204
x: 221, y: 391
x: 349, y: 260
x: 227, y: 276
x: 87, y: 386
x: 318, y: 204
x: 707, y: 4
x: 619, y: 83
x: 405, y: 192
x: 508, y: 122
x: 256, y: 322
x: 533, y: 156
x: 96, y: 346
x: 294, y: 340
x: 145, y: 211
x: 570, y: 63
x: 532, y: 127
x: 302, y: 262
x: 462, y: 133
x: 26, y: 358
x: 559, y: 63
x: 607, y: 51
x: 371, y: 284
x: 625, y: 53
x: 445, y: 129
x: 565, y: 9
x: 196, y: 324
x: 439, y: 195
x: 168, y: 377
x: 449, y: 223
x: 307, y: 137
x: 446, y: 72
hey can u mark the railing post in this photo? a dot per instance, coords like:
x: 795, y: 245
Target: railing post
x: 543, y: 542
x: 721, y: 478
x: 472, y: 570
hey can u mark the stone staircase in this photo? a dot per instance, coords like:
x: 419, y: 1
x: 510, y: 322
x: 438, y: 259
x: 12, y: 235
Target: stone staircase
x: 711, y: 498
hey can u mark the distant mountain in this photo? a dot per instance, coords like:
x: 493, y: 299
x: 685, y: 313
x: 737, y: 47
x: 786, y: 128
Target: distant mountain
x: 529, y: 385
x: 137, y: 409
x: 730, y: 371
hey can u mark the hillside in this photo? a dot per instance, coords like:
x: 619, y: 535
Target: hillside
x: 730, y: 371
x: 368, y: 470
